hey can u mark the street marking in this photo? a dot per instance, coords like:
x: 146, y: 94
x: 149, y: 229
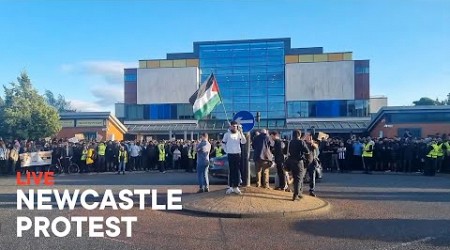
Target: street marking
x: 405, y: 244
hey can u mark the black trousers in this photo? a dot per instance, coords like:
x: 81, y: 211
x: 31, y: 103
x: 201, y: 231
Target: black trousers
x: 100, y: 164
x: 298, y: 173
x: 234, y: 162
x: 368, y: 164
x: 342, y: 165
x: 281, y: 176
x: 162, y: 166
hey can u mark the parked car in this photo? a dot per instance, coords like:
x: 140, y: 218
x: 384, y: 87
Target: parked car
x: 218, y: 168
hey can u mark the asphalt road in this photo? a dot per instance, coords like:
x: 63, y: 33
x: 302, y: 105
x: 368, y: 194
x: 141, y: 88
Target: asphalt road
x: 379, y: 211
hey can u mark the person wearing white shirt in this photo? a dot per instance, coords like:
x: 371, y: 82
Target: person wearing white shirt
x: 232, y: 141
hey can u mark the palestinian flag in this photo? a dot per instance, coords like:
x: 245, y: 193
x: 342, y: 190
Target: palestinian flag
x: 206, y: 98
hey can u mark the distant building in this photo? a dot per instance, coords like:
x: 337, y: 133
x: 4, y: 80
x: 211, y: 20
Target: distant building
x: 100, y: 126
x: 376, y: 103
x: 299, y: 88
x: 421, y: 121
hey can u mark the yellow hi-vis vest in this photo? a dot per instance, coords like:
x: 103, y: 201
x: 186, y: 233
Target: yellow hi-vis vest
x: 124, y: 155
x: 439, y: 150
x: 84, y: 154
x: 447, y: 145
x: 191, y: 152
x: 162, y: 152
x: 433, y: 151
x: 219, y: 151
x: 366, y: 152
x: 101, y: 149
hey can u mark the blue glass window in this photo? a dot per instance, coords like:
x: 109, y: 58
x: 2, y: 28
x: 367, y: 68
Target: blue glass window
x: 243, y: 71
x: 258, y: 99
x: 130, y: 77
x: 275, y: 91
x: 272, y: 99
x: 258, y: 91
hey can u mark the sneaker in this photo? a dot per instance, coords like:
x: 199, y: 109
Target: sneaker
x: 229, y: 191
x: 237, y: 191
x: 206, y: 190
x: 200, y: 190
x: 311, y: 193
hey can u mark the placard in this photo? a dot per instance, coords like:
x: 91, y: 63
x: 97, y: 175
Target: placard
x: 32, y: 159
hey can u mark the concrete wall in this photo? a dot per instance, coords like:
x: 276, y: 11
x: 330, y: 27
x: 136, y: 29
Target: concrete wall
x: 166, y: 85
x: 320, y: 81
x: 376, y: 103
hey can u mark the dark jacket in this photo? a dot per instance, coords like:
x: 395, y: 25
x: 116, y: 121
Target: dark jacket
x: 297, y: 150
x: 261, y: 146
x: 278, y: 148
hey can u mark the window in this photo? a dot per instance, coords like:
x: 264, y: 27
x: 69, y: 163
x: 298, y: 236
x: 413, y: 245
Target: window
x: 130, y: 77
x: 272, y: 99
x: 243, y: 71
x: 275, y: 114
x: 362, y: 70
x: 275, y: 91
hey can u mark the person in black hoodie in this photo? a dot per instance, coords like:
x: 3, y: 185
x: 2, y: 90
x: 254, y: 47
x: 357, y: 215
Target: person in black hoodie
x: 278, y: 147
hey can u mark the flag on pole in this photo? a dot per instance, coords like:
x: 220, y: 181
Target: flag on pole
x: 206, y: 98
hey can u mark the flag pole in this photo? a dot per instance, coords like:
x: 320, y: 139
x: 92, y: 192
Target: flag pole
x: 221, y: 100
x: 226, y: 114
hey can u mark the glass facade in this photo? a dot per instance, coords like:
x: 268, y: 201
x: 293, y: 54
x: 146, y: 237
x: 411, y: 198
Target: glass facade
x: 159, y: 112
x: 328, y: 109
x: 250, y: 77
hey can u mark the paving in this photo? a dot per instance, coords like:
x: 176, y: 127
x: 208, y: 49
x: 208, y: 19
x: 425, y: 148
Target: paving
x: 379, y: 211
x: 253, y: 203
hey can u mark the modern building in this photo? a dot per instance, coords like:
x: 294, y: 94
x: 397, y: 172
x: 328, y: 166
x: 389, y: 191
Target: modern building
x: 300, y: 88
x: 421, y: 121
x: 98, y: 126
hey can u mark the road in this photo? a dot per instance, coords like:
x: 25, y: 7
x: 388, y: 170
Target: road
x: 379, y: 211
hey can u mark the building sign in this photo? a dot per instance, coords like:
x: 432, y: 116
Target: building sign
x: 67, y: 123
x: 90, y: 123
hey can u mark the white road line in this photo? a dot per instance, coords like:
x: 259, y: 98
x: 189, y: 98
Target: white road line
x: 405, y: 244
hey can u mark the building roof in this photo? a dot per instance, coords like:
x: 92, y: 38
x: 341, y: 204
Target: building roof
x: 94, y: 115
x: 406, y: 109
x: 335, y: 126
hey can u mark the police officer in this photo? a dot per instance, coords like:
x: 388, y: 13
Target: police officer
x: 161, y: 157
x: 101, y: 160
x: 297, y: 149
x: 368, y: 155
x: 218, y: 151
x: 432, y: 159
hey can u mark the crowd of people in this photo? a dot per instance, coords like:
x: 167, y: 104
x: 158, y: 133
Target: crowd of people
x: 400, y: 154
x: 109, y: 156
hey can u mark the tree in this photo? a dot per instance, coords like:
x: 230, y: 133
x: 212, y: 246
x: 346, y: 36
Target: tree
x: 25, y: 114
x: 425, y: 101
x: 59, y: 103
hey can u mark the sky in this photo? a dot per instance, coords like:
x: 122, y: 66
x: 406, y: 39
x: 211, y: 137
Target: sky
x: 79, y: 48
